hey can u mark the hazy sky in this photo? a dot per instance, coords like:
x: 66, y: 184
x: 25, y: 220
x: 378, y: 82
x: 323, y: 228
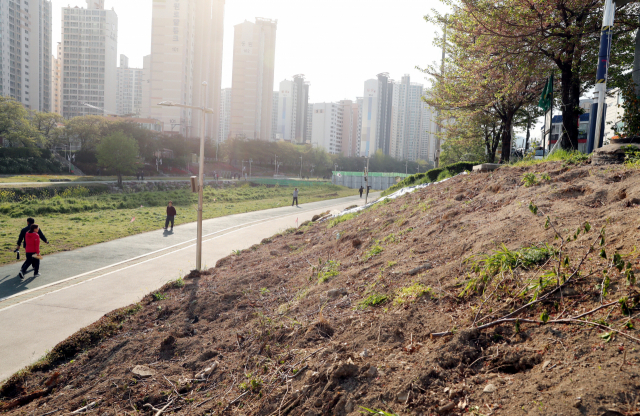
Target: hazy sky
x: 337, y: 44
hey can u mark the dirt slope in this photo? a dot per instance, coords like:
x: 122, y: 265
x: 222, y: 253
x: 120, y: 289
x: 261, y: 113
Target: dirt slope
x: 367, y: 312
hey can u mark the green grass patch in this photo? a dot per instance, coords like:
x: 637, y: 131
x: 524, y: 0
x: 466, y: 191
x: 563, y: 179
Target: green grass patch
x: 569, y: 157
x: 328, y: 270
x: 74, y: 222
x: 374, y: 251
x: 374, y: 299
x: 411, y: 293
x: 346, y: 217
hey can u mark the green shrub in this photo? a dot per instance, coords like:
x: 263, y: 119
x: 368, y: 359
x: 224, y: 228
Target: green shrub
x: 24, y: 152
x: 10, y: 165
x: 432, y: 175
x: 373, y: 300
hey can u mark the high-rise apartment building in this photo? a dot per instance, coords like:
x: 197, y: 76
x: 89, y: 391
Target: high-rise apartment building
x: 254, y: 50
x: 406, y: 115
x: 25, y: 52
x: 274, y: 115
x: 145, y: 108
x: 89, y: 51
x: 56, y: 81
x: 427, y: 143
x: 225, y: 115
x: 309, y: 129
x: 327, y: 127
x: 293, y: 102
x: 376, y: 121
x: 129, y: 93
x: 186, y: 50
x: 356, y: 126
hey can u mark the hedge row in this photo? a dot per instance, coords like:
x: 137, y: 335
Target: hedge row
x: 431, y: 175
x: 30, y: 165
x: 24, y: 152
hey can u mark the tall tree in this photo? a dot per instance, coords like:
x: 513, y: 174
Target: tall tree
x: 87, y: 130
x: 118, y: 152
x: 47, y: 125
x: 15, y: 126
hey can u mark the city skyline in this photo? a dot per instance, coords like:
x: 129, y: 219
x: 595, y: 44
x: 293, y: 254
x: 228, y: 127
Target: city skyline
x: 335, y: 63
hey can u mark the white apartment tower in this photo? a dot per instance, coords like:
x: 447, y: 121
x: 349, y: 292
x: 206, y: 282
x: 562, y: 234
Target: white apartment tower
x: 406, y: 115
x: 309, y: 128
x: 56, y: 81
x: 327, y: 127
x: 427, y: 143
x: 376, y: 119
x: 225, y: 115
x: 25, y: 52
x: 129, y: 94
x: 254, y: 50
x: 145, y: 109
x: 293, y: 102
x: 275, y: 97
x: 186, y: 50
x: 89, y: 47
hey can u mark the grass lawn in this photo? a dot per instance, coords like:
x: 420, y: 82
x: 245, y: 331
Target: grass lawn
x: 79, y: 221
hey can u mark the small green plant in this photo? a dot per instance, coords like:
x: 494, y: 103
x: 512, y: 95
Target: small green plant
x: 529, y: 179
x: 411, y: 293
x: 327, y: 270
x: 545, y: 177
x: 159, y: 296
x: 236, y: 252
x: 264, y: 291
x: 375, y: 250
x: 373, y: 300
x: 342, y: 218
x: 391, y: 238
x: 376, y: 412
x: 179, y: 282
x: 391, y: 263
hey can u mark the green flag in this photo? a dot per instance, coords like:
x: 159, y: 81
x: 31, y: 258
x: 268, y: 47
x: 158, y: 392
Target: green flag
x: 546, y: 100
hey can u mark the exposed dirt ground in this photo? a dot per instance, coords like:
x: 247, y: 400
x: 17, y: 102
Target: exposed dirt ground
x: 368, y: 312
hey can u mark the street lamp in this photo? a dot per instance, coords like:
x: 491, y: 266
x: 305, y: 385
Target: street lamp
x: 200, y: 168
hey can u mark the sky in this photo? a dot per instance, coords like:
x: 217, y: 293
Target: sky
x: 336, y: 44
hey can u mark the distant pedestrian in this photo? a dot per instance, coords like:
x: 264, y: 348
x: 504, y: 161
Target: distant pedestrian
x: 295, y: 197
x: 25, y: 230
x: 142, y: 175
x: 171, y: 214
x: 361, y: 190
x: 32, y: 244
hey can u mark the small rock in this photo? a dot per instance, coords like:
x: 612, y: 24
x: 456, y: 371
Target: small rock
x: 577, y: 403
x: 546, y: 364
x: 446, y: 408
x: 420, y: 268
x: 402, y: 396
x: 344, y: 370
x: 350, y: 406
x: 365, y: 353
x: 143, y: 371
x: 205, y: 373
x: 372, y: 372
x: 318, y: 403
x: 490, y: 388
x: 335, y: 293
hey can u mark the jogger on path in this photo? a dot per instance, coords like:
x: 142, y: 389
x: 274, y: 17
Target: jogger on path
x: 32, y: 242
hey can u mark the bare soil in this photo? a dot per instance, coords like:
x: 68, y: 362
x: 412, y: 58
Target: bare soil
x: 299, y: 325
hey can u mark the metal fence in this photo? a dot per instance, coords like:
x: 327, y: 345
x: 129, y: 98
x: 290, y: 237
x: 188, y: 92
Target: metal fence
x: 377, y: 180
x: 287, y: 182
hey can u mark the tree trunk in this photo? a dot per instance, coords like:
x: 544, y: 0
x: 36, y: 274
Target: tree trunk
x: 526, y: 140
x: 570, y: 117
x: 506, y: 138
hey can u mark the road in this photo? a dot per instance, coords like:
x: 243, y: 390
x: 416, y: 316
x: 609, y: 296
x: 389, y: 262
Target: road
x: 80, y: 286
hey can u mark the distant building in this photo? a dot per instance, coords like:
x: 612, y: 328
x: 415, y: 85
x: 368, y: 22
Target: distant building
x: 145, y: 108
x: 89, y: 44
x: 274, y: 114
x: 225, y: 115
x: 25, y: 52
x: 254, y: 50
x: 346, y: 120
x: 428, y: 129
x: 186, y: 50
x: 583, y: 131
x: 129, y: 93
x: 145, y: 123
x: 327, y: 127
x: 406, y: 115
x: 293, y: 101
x: 309, y: 127
x: 56, y: 81
x: 615, y: 112
x: 376, y: 119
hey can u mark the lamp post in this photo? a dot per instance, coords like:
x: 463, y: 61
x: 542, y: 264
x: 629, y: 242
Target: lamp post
x: 205, y: 111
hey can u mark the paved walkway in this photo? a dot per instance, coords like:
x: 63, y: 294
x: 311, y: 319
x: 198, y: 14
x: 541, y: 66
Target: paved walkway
x: 80, y: 286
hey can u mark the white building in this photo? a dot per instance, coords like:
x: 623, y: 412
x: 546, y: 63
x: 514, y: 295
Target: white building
x: 225, y: 115
x: 89, y: 45
x: 186, y: 50
x: 309, y: 127
x: 129, y: 98
x: 428, y: 129
x: 56, y: 81
x: 25, y: 52
x: 406, y: 120
x: 293, y: 101
x: 368, y: 131
x: 145, y: 109
x: 615, y: 112
x: 274, y: 115
x: 327, y: 127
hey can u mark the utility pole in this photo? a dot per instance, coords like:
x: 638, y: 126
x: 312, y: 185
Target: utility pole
x: 436, y: 156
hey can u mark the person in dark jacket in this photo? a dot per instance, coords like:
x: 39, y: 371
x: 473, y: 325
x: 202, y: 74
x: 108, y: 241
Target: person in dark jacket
x: 32, y: 245
x: 25, y: 230
x: 171, y: 213
x: 361, y: 190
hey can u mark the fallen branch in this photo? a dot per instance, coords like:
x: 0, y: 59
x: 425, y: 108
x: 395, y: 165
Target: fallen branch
x: 50, y: 413
x: 86, y: 408
x: 159, y: 411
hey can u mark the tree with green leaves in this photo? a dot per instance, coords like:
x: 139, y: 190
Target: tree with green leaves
x: 15, y: 125
x: 47, y: 126
x: 87, y: 130
x: 119, y: 153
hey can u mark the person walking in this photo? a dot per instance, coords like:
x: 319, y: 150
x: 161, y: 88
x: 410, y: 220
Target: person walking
x: 171, y: 214
x: 25, y: 230
x: 32, y: 245
x: 295, y: 197
x: 361, y: 190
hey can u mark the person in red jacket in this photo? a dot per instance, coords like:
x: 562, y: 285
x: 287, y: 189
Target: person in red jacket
x: 32, y: 240
x: 171, y: 213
